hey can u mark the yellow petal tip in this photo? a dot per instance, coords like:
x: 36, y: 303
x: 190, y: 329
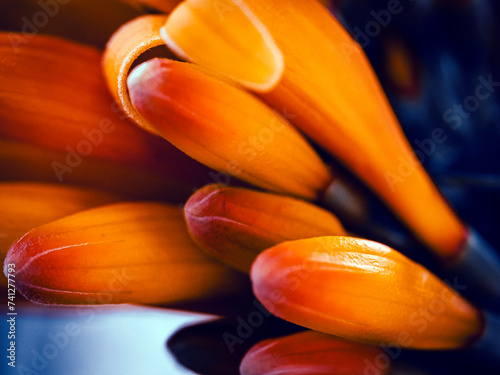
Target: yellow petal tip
x: 242, y: 47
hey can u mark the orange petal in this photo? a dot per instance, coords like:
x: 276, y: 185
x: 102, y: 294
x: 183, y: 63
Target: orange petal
x: 126, y: 46
x: 121, y: 253
x: 24, y: 206
x: 83, y: 122
x: 310, y: 353
x: 236, y: 224
x: 330, y: 86
x: 86, y: 21
x: 363, y: 291
x: 259, y: 68
x: 226, y: 128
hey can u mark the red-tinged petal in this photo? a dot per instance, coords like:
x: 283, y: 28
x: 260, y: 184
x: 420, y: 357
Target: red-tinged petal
x: 236, y: 224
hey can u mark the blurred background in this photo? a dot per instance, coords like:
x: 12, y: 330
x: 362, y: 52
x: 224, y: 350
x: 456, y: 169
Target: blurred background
x: 436, y: 60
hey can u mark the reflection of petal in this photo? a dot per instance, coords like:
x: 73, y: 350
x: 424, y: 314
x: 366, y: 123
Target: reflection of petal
x: 217, y: 347
x: 237, y: 224
x: 121, y: 253
x: 310, y: 353
x: 363, y: 291
x: 226, y: 128
x: 53, y: 96
x: 330, y: 88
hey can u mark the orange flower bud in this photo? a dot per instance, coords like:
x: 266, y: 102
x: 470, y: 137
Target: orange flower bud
x: 226, y: 128
x: 237, y: 224
x: 121, y: 253
x: 25, y: 205
x: 363, y: 291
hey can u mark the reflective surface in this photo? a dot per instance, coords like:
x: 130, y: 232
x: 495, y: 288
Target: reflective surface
x: 122, y: 339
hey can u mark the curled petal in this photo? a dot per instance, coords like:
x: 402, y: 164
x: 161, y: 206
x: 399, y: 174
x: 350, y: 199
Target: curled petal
x: 126, y: 46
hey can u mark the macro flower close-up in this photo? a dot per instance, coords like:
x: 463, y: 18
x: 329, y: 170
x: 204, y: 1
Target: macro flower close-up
x: 250, y: 187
